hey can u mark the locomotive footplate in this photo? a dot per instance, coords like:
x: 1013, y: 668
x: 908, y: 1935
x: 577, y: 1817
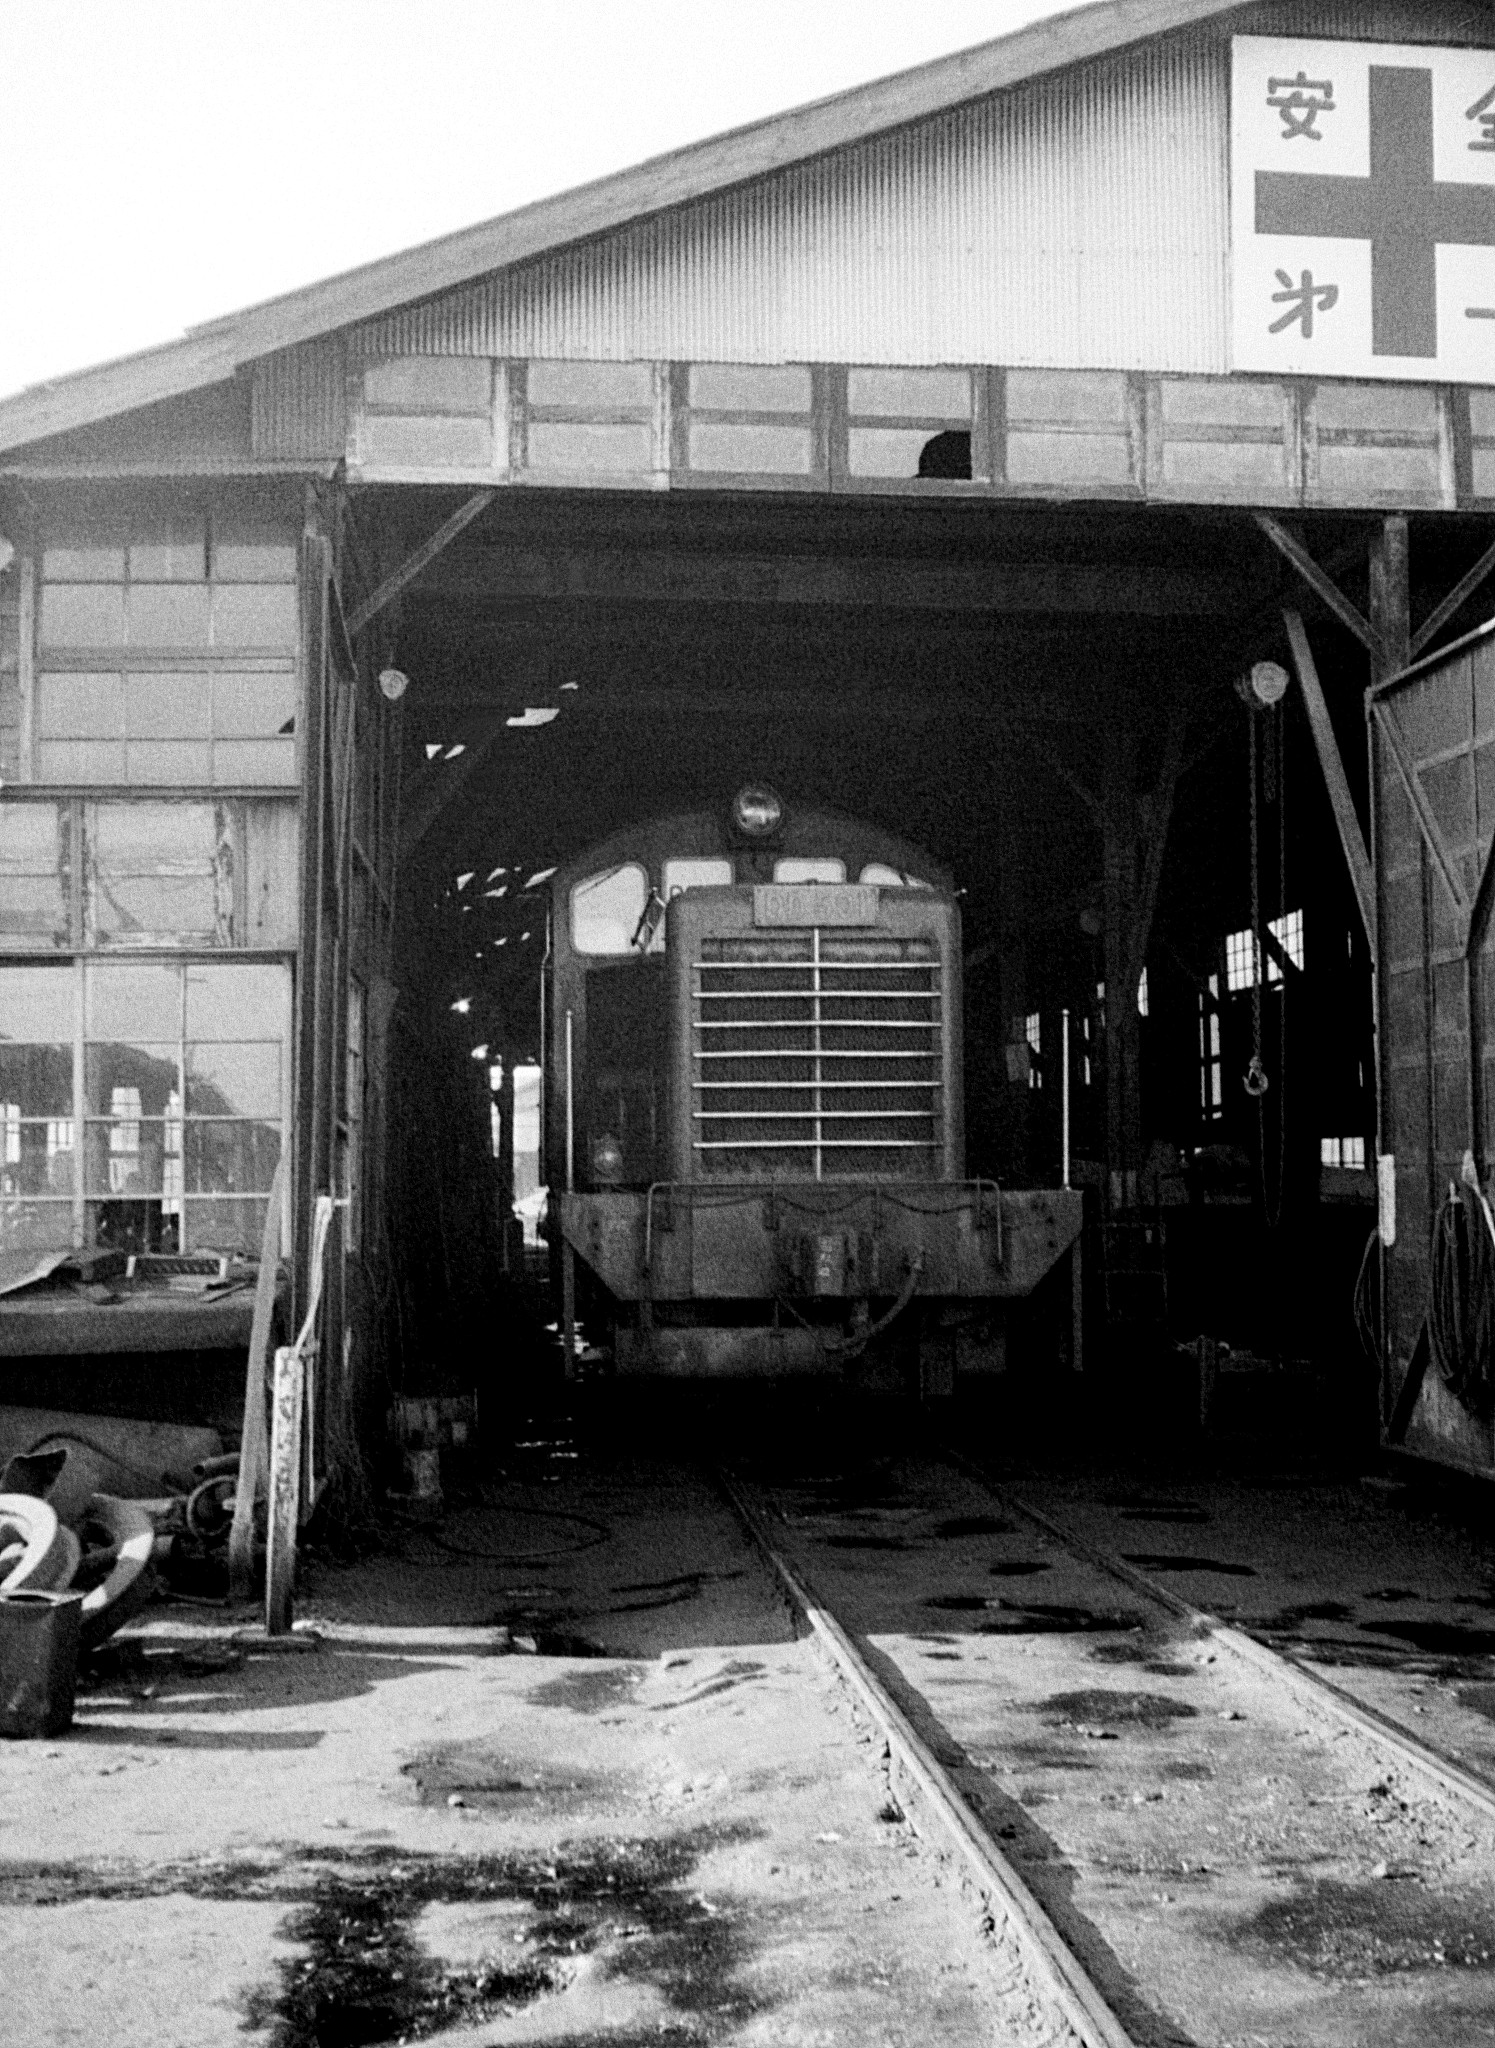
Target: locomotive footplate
x: 798, y: 1244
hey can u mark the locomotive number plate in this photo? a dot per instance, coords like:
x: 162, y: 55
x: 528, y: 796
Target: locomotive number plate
x: 805, y: 903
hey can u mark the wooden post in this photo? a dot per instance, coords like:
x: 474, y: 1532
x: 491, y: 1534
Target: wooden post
x: 506, y: 1158
x: 1390, y: 603
x: 1119, y: 834
x: 314, y: 805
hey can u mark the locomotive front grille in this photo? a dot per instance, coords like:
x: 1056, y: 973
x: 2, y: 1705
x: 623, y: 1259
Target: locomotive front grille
x: 817, y: 1055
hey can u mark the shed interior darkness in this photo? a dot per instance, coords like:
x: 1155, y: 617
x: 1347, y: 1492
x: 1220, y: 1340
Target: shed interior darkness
x: 989, y: 729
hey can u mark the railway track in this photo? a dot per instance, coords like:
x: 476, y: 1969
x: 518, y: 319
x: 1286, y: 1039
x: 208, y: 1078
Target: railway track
x: 1129, y: 1998
x: 1446, y: 1774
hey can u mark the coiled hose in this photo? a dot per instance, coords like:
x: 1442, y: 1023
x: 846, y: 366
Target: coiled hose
x: 1461, y: 1311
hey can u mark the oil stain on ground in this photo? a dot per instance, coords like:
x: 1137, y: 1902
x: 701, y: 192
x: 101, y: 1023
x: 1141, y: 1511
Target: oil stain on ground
x: 362, y: 1977
x: 1044, y: 1620
x: 1369, y: 1930
x: 591, y: 1691
x: 1099, y: 1706
x: 974, y: 1525
x: 1176, y: 1561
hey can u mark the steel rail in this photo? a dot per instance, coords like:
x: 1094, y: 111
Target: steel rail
x: 1055, y: 1967
x: 1312, y: 1691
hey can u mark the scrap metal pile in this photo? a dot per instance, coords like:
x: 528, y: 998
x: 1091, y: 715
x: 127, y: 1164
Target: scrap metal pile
x: 91, y: 1504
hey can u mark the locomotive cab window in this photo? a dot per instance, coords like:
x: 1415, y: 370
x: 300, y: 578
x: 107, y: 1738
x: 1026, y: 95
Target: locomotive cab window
x: 606, y: 909
x: 696, y: 874
x: 885, y: 877
x: 798, y: 868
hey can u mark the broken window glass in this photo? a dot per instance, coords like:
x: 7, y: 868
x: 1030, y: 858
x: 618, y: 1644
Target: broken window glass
x: 35, y: 876
x: 159, y: 874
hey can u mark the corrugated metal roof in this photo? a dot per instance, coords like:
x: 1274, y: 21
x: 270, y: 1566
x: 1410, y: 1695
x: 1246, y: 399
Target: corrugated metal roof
x: 1079, y: 221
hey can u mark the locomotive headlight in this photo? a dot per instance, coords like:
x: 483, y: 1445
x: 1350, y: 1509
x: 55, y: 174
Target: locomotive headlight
x: 607, y: 1161
x: 756, y: 810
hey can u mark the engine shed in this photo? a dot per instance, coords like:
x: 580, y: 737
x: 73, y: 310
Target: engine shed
x: 1038, y: 454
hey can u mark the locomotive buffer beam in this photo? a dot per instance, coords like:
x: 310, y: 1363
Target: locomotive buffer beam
x: 804, y: 1245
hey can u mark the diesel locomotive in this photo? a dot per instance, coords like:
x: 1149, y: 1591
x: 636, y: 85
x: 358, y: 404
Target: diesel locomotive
x: 754, y: 1137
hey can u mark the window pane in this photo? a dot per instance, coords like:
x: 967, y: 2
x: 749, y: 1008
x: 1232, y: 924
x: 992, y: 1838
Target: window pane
x: 244, y: 552
x: 255, y: 615
x: 605, y: 910
x: 223, y: 1223
x: 141, y: 1003
x: 35, y: 860
x: 85, y: 563
x: 159, y: 874
x: 695, y: 874
x: 82, y: 615
x: 235, y: 1003
x: 79, y: 707
x: 37, y: 1080
x: 173, y: 706
x: 224, y: 1079
x: 125, y: 1156
x: 169, y: 615
x: 36, y: 1005
x: 175, y: 551
x: 125, y: 1078
x: 795, y: 869
x: 231, y: 1157
x: 253, y: 706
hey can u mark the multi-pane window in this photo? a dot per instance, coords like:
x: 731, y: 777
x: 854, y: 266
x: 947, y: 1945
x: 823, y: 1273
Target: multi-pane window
x: 1243, y: 969
x: 1033, y: 1032
x: 176, y: 1075
x: 1347, y: 1152
x: 134, y: 874
x: 1143, y: 1009
x: 166, y: 654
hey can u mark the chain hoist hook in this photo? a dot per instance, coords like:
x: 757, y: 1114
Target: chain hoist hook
x: 1256, y: 1082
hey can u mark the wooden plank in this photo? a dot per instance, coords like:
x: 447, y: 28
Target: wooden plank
x: 1351, y: 839
x: 617, y: 576
x: 315, y: 573
x: 1422, y: 809
x: 1317, y: 581
x: 254, y: 1456
x: 1457, y: 598
x: 1157, y: 842
x: 423, y: 556
x: 26, y: 656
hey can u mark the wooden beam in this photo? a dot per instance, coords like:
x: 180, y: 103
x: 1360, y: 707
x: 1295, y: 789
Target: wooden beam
x: 618, y: 576
x: 1351, y: 839
x: 1041, y: 751
x: 1454, y: 603
x: 423, y: 556
x: 1318, y: 582
x: 1157, y: 842
x: 1423, y: 812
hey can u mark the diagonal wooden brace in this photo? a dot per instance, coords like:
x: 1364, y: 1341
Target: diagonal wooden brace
x: 1351, y: 839
x: 424, y: 555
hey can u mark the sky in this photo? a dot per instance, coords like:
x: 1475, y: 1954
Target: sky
x: 163, y: 162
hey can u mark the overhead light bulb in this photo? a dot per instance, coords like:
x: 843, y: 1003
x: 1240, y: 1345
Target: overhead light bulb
x: 394, y: 683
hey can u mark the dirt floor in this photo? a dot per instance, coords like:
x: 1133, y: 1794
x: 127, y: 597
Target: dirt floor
x: 559, y: 1772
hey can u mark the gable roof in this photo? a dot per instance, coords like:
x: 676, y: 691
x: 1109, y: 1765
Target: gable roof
x: 212, y: 352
